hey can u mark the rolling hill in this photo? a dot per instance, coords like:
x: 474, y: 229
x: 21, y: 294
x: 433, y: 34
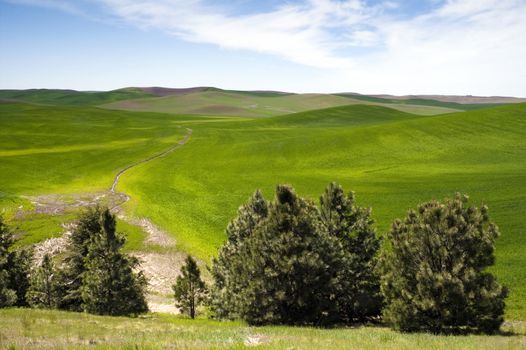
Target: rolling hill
x: 393, y: 160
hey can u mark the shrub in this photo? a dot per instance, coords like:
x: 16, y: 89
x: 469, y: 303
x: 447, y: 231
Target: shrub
x: 434, y: 275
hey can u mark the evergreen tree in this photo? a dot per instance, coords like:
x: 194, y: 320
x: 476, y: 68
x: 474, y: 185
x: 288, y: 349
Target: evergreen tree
x: 359, y: 289
x: 14, y: 270
x: 19, y: 267
x: 44, y: 286
x: 227, y: 269
x: 435, y: 278
x: 109, y: 285
x: 74, y: 265
x: 189, y: 289
x: 289, y: 265
x: 7, y: 295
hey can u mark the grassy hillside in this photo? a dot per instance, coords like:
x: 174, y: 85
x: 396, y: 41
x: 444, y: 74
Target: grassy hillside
x: 63, y: 149
x: 212, y: 101
x: 420, y: 101
x: 39, y: 329
x: 393, y: 160
x: 66, y: 150
x: 253, y: 104
x: 71, y: 97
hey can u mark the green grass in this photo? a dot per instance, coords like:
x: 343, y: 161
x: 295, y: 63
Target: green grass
x: 391, y: 159
x: 421, y: 101
x: 213, y: 101
x: 67, y: 149
x: 254, y: 104
x: 40, y: 329
x: 71, y: 97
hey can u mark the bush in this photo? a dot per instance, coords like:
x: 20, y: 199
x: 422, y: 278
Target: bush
x: 434, y: 275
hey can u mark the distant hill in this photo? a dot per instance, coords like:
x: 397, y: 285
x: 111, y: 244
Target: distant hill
x: 468, y: 99
x: 214, y: 101
x: 72, y: 97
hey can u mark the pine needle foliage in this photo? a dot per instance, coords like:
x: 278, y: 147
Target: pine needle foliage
x: 435, y: 274
x: 14, y: 269
x: 358, y: 294
x: 74, y: 264
x: 189, y: 289
x: 110, y: 286
x: 287, y: 264
x: 44, y: 289
x: 7, y: 295
x: 228, y: 269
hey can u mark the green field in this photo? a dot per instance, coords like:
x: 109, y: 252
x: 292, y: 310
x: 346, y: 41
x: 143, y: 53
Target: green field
x: 38, y: 329
x: 393, y: 160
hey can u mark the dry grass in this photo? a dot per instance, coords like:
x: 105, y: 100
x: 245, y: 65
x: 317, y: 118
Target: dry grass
x: 42, y: 329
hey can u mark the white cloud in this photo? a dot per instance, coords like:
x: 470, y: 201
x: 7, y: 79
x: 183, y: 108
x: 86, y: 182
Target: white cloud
x: 461, y: 46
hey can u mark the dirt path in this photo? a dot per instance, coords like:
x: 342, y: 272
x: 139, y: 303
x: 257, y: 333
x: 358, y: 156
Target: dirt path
x: 159, y: 155
x: 161, y: 268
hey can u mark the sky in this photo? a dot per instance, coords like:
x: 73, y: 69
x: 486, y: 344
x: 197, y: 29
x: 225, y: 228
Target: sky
x: 456, y: 47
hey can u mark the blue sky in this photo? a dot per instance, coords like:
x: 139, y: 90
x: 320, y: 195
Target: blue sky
x: 473, y: 47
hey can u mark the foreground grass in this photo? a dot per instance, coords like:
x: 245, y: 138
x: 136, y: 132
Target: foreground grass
x: 42, y: 329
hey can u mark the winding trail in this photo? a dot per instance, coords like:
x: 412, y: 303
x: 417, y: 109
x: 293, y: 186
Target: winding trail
x: 160, y: 268
x: 142, y: 161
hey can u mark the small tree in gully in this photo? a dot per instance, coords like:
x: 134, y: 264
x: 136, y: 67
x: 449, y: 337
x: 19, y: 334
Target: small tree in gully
x: 189, y: 290
x: 44, y: 285
x: 434, y: 276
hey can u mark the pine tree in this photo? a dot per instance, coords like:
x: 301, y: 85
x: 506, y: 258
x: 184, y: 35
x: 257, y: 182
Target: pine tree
x: 109, y: 285
x: 435, y: 278
x: 227, y: 267
x: 14, y: 270
x: 189, y: 290
x: 44, y: 285
x: 290, y: 265
x: 19, y: 267
x: 7, y: 295
x: 74, y: 265
x: 359, y: 290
